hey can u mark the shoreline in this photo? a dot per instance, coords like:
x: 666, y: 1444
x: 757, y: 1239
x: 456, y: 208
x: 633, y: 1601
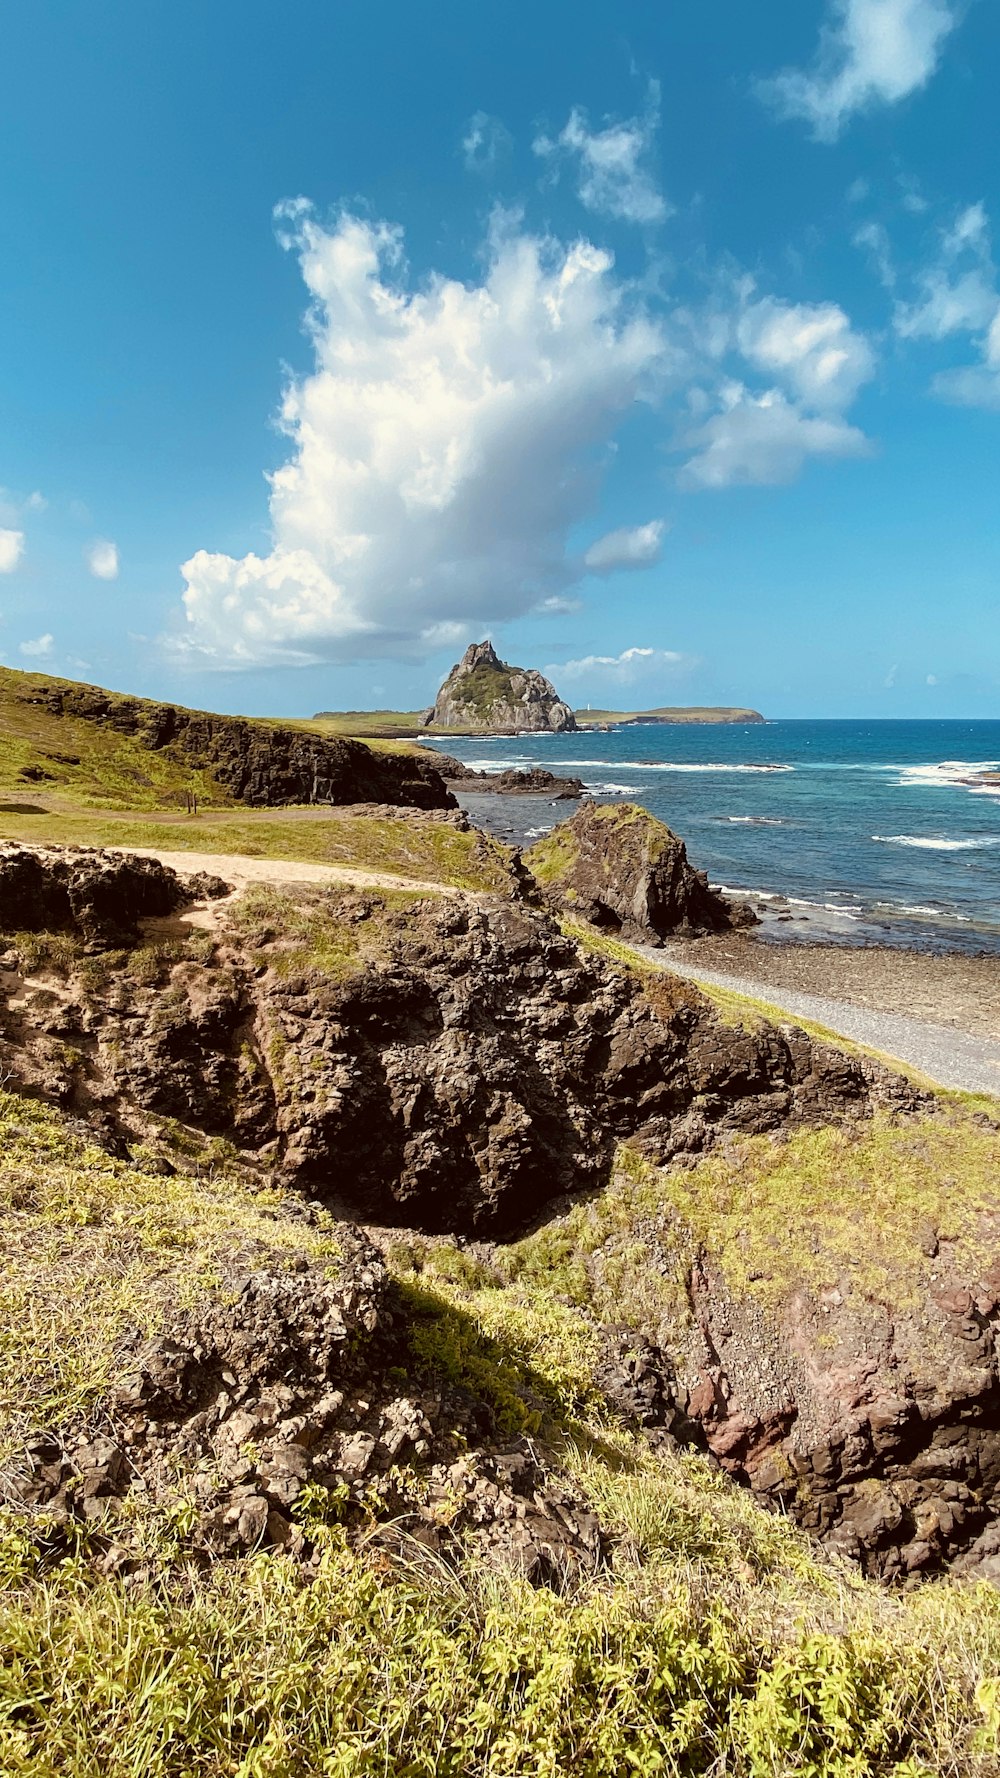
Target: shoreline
x: 952, y: 991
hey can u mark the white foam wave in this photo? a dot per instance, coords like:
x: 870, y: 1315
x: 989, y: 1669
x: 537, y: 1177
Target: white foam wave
x: 930, y: 844
x: 951, y: 774
x: 671, y: 765
x: 755, y: 820
x: 614, y: 789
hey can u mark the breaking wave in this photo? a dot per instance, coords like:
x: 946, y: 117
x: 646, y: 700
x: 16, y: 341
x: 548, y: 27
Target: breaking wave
x: 929, y: 844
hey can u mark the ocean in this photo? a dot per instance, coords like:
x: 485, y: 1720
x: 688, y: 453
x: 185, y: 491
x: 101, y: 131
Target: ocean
x: 853, y: 832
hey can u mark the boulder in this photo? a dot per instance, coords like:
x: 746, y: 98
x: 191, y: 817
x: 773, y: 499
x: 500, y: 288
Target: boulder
x: 616, y: 866
x: 483, y: 692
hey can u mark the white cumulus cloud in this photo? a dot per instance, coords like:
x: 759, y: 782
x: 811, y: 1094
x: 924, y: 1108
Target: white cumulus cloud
x: 102, y: 559
x: 763, y: 439
x: 624, y: 668
x: 637, y: 546
x: 38, y: 648
x: 813, y: 363
x: 874, y: 52
x: 11, y: 550
x: 812, y: 347
x: 443, y: 446
x: 614, y: 176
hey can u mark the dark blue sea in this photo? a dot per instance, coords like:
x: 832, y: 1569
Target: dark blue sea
x: 860, y: 832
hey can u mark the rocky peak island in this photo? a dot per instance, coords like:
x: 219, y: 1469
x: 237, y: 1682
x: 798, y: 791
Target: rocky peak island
x: 485, y: 693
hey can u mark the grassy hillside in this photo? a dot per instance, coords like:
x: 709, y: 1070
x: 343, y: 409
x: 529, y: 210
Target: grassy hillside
x: 64, y: 761
x: 717, y: 1643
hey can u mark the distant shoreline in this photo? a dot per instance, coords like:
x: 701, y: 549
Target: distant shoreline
x: 405, y: 725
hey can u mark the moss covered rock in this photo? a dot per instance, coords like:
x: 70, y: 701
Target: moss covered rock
x: 483, y: 692
x: 618, y: 867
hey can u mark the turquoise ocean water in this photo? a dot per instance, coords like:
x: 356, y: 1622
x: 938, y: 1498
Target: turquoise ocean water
x: 868, y: 829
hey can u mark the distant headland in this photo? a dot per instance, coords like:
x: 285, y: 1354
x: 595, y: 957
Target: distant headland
x: 485, y: 695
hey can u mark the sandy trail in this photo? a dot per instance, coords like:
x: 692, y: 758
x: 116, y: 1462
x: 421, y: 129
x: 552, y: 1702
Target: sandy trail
x: 239, y: 870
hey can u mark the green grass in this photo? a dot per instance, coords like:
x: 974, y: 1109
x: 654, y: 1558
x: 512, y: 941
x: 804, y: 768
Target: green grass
x: 667, y: 713
x: 86, y: 765
x: 718, y: 1642
x: 429, y: 850
x: 93, y: 1245
x: 304, y: 932
x: 553, y: 857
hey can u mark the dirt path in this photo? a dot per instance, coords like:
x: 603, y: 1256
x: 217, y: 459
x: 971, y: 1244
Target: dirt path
x: 239, y: 870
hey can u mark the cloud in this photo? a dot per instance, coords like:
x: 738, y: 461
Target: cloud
x: 486, y: 141
x: 953, y: 299
x: 975, y: 385
x: 763, y: 439
x: 958, y: 293
x: 875, y: 52
x: 811, y: 347
x: 814, y: 363
x: 638, y: 546
x: 631, y: 664
x: 13, y: 507
x: 443, y: 446
x: 873, y: 237
x: 11, y: 550
x: 102, y: 559
x: 612, y: 165
x: 42, y: 645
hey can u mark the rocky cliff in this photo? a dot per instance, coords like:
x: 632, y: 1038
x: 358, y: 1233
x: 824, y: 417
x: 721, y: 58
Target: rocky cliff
x: 259, y: 763
x: 437, y: 1061
x: 483, y: 692
x: 462, y: 1067
x: 616, y: 866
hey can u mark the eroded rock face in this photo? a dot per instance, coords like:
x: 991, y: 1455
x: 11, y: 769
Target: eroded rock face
x: 99, y: 896
x: 308, y: 1379
x: 443, y: 1063
x: 616, y: 866
x: 877, y: 1428
x: 257, y: 763
x: 483, y: 692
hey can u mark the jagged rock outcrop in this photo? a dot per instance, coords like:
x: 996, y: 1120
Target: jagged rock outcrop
x: 535, y: 781
x: 308, y: 1379
x: 99, y: 896
x: 258, y: 763
x: 483, y: 692
x: 458, y: 1067
x: 877, y: 1426
x: 441, y: 1063
x: 616, y: 866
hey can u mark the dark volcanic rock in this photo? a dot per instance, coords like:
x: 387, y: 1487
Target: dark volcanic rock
x: 453, y: 1065
x: 618, y: 867
x: 258, y: 763
x: 876, y: 1426
x: 309, y: 1379
x: 100, y: 896
x: 534, y: 782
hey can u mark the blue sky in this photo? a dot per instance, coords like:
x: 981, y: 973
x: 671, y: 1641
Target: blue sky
x: 661, y: 343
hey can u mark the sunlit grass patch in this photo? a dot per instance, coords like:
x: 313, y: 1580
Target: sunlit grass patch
x: 93, y: 1246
